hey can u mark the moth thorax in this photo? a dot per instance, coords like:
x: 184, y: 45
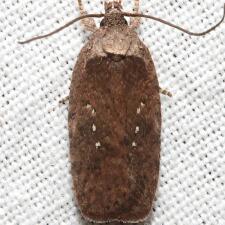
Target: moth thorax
x: 114, y: 18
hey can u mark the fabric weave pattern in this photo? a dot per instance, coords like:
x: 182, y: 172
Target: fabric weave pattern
x: 35, y: 180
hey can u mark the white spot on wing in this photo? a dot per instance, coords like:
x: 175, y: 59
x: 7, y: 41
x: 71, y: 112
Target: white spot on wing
x: 138, y: 110
x: 134, y: 144
x: 97, y: 144
x: 142, y: 105
x: 93, y: 128
x: 137, y: 129
x: 93, y: 112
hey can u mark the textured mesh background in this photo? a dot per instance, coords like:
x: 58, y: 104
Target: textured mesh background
x: 35, y: 183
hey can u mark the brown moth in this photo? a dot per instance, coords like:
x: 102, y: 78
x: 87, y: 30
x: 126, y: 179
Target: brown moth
x: 115, y: 118
x: 114, y: 125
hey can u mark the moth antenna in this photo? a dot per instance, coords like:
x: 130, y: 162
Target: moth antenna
x: 175, y: 26
x: 62, y: 27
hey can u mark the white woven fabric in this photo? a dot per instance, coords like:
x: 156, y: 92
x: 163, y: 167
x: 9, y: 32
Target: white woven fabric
x: 35, y: 180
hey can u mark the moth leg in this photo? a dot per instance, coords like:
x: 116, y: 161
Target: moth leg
x: 88, y: 23
x: 135, y: 22
x: 165, y: 92
x: 64, y: 100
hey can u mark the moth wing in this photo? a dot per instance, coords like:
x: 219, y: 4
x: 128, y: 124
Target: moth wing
x: 114, y: 126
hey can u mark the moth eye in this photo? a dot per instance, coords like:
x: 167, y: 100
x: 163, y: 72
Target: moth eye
x: 93, y: 128
x: 102, y: 23
x: 97, y: 145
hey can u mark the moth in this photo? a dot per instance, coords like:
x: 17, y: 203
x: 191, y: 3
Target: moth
x: 115, y: 117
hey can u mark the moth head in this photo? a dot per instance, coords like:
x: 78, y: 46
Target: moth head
x: 113, y: 6
x: 113, y: 14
